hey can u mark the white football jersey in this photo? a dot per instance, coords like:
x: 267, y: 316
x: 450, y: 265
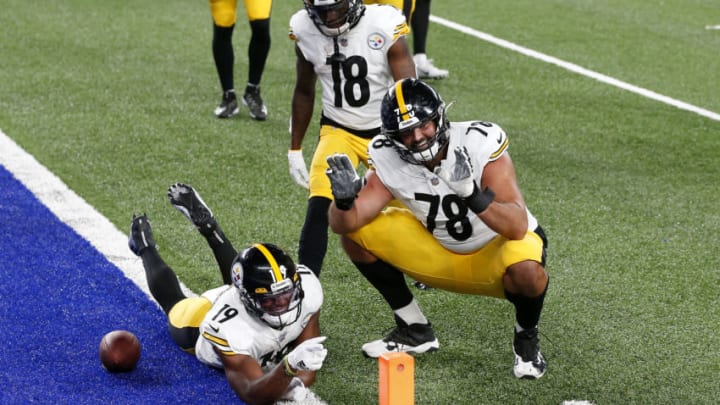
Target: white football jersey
x: 431, y: 200
x: 352, y: 93
x: 230, y: 328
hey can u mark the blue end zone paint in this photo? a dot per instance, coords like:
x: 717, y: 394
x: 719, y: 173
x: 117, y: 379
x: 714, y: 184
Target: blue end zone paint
x: 58, y: 297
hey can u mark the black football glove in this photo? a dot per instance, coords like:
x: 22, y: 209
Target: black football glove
x: 344, y: 180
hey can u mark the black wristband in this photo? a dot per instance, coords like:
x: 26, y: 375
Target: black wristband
x: 345, y: 204
x: 478, y: 201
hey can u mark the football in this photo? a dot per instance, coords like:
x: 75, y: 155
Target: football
x: 119, y: 351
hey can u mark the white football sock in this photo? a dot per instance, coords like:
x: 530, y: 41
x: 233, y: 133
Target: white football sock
x: 411, y: 313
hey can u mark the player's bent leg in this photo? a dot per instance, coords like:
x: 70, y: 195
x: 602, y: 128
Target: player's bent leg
x: 355, y: 252
x: 186, y: 200
x: 526, y: 279
x: 161, y: 279
x: 525, y: 283
x: 413, y: 334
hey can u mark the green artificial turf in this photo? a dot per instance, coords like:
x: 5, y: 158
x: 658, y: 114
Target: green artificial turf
x: 116, y: 98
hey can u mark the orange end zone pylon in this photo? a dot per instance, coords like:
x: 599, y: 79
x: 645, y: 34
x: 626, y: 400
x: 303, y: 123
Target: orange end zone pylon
x: 396, y: 375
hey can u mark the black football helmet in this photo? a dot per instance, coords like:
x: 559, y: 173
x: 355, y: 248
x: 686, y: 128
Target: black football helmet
x: 409, y: 104
x: 268, y: 283
x: 334, y: 17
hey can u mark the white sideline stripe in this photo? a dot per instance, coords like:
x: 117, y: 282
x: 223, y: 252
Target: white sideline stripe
x: 577, y: 69
x: 74, y: 211
x: 84, y: 219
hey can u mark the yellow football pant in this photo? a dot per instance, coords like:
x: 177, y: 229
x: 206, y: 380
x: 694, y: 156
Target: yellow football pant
x: 334, y: 140
x: 224, y: 12
x: 406, y: 6
x: 398, y: 238
x: 184, y: 321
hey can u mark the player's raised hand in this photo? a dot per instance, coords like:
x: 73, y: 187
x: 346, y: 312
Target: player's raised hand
x: 460, y: 177
x: 344, y: 180
x: 461, y: 180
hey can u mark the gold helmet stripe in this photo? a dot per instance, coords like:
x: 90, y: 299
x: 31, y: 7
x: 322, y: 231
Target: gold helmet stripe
x: 271, y: 259
x: 402, y: 107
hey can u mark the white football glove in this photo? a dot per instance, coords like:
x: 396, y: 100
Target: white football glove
x: 460, y: 180
x: 308, y: 355
x: 296, y: 391
x: 298, y: 168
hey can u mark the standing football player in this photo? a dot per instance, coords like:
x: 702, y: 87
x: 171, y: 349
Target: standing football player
x: 356, y: 52
x: 224, y: 16
x: 261, y: 327
x: 466, y: 227
x: 420, y: 24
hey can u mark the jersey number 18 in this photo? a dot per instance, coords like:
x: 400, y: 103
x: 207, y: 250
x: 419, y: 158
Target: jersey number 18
x: 354, y: 70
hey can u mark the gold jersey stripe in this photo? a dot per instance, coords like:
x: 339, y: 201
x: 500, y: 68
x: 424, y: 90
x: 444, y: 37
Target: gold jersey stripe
x: 216, y: 340
x: 220, y: 344
x: 400, y: 30
x: 500, y: 150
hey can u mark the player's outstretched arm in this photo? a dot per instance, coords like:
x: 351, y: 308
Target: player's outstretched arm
x: 368, y: 204
x: 284, y: 381
x: 247, y: 379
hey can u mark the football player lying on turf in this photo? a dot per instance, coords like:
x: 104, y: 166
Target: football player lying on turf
x: 261, y: 327
x: 465, y: 229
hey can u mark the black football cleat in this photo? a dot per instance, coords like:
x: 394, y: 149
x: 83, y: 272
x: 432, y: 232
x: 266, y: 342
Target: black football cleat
x: 228, y: 105
x: 188, y: 201
x: 140, y: 234
x: 529, y: 362
x: 252, y: 100
x: 415, y: 338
